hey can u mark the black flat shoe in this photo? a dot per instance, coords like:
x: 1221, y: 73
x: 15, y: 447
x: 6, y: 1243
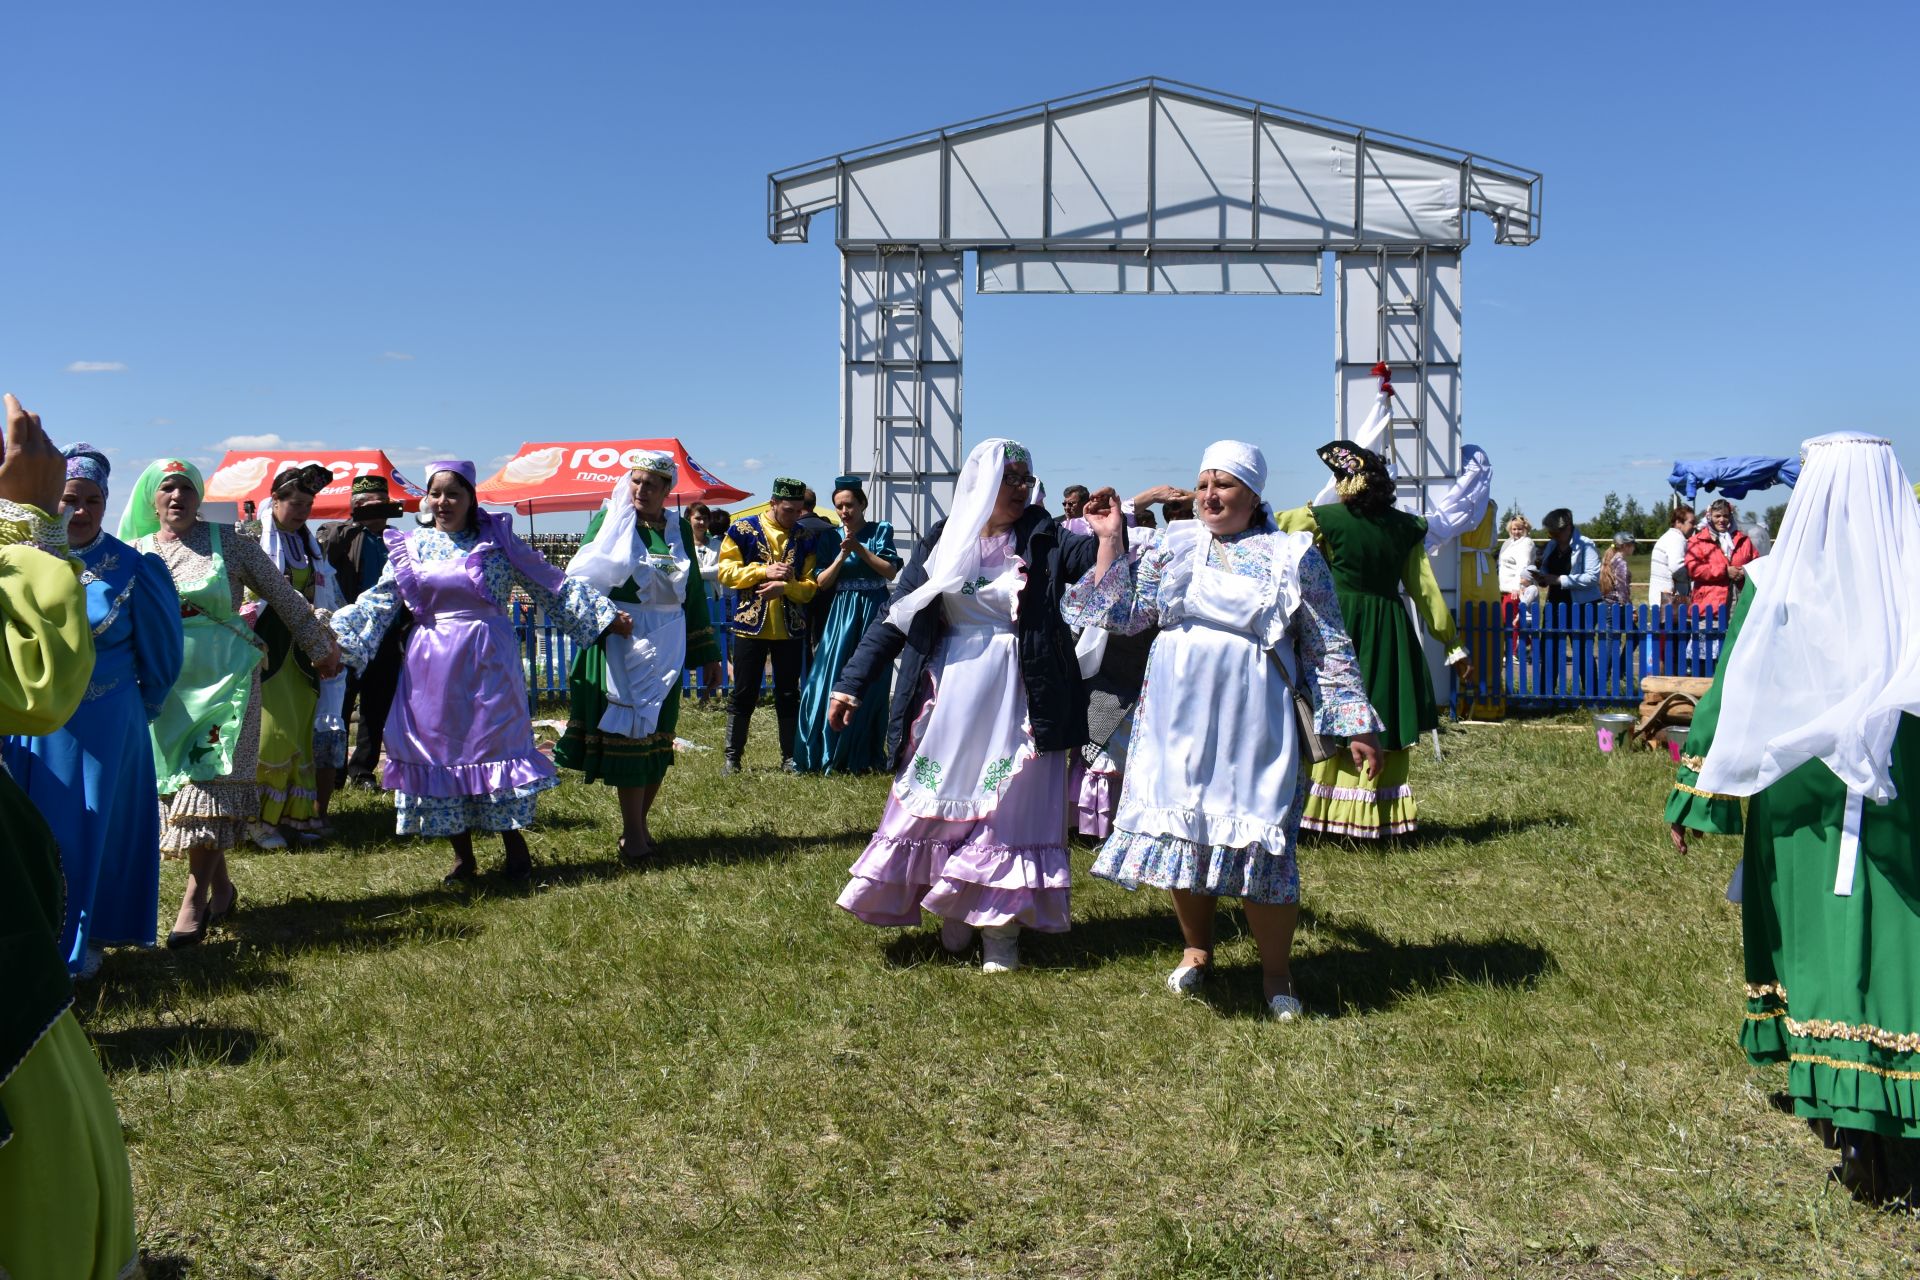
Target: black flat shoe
x: 517, y: 872
x: 465, y: 873
x: 176, y: 939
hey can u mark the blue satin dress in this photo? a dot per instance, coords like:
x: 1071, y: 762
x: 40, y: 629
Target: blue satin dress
x: 93, y: 779
x: 859, y: 595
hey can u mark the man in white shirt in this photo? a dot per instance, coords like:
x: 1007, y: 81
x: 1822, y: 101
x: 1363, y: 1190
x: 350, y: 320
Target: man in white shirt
x: 1667, y: 580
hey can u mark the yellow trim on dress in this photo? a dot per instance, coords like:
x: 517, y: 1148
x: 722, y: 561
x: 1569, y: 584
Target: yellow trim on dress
x: 1840, y: 1064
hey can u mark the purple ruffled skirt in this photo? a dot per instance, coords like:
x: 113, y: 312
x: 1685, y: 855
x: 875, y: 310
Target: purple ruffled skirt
x: 1009, y: 866
x: 459, y: 727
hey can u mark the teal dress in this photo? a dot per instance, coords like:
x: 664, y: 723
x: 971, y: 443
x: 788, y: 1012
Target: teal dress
x: 859, y: 594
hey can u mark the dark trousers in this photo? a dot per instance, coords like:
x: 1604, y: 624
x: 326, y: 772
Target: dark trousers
x: 373, y: 689
x: 749, y: 660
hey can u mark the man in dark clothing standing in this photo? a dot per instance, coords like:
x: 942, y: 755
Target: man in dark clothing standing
x: 358, y: 555
x: 817, y: 535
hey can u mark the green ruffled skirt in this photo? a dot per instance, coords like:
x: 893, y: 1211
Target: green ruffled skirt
x: 608, y: 757
x: 1833, y: 989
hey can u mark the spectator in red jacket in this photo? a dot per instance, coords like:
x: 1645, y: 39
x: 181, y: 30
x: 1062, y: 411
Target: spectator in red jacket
x: 1717, y: 557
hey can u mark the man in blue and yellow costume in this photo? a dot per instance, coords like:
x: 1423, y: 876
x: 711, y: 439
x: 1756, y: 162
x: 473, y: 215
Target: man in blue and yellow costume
x: 771, y: 569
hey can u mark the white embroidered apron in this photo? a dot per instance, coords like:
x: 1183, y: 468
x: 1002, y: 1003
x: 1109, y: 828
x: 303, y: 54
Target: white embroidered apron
x: 974, y: 735
x: 643, y: 668
x: 1213, y: 759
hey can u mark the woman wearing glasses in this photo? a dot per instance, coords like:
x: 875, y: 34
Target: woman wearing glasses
x: 986, y: 708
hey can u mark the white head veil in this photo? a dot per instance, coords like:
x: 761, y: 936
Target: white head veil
x: 1829, y: 654
x: 954, y: 557
x: 611, y: 558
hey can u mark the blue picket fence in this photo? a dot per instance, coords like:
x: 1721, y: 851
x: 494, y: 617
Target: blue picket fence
x: 548, y: 653
x: 1584, y: 655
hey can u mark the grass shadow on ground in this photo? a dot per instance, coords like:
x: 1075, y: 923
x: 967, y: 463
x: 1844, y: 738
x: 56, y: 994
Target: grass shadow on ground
x: 1365, y: 972
x: 1103, y: 939
x: 154, y: 1047
x: 685, y: 851
x: 154, y: 978
x: 1492, y: 827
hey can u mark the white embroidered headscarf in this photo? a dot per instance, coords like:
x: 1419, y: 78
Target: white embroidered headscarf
x: 954, y: 557
x: 1828, y: 658
x: 615, y: 554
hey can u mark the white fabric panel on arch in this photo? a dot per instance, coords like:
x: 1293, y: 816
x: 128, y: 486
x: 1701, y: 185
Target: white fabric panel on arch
x: 1168, y: 271
x: 939, y: 298
x: 1358, y: 276
x: 1100, y: 170
x: 994, y: 189
x: 1306, y: 183
x: 1203, y: 172
x: 896, y: 198
x: 1409, y: 197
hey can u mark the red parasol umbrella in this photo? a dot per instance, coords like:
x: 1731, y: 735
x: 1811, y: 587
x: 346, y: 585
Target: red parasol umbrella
x: 246, y: 475
x: 576, y: 475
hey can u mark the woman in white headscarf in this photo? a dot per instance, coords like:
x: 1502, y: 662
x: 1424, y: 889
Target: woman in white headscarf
x: 987, y: 705
x: 290, y: 690
x: 1812, y: 716
x: 1216, y: 778
x: 624, y: 691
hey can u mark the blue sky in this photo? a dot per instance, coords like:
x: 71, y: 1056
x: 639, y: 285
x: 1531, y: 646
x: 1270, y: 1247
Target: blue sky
x: 449, y: 228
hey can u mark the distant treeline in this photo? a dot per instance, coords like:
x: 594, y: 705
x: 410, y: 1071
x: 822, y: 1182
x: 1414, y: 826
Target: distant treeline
x: 1645, y: 522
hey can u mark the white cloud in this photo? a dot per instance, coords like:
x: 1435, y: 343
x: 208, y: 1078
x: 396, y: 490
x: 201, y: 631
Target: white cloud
x: 410, y: 455
x: 267, y: 441
x: 160, y: 422
x: 751, y: 464
x: 96, y: 366
x: 1642, y: 464
x: 396, y: 355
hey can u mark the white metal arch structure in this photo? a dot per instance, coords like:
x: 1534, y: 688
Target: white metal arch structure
x: 1151, y: 186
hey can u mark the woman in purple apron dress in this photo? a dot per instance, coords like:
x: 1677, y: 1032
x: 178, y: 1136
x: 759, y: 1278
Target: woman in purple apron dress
x: 459, y: 739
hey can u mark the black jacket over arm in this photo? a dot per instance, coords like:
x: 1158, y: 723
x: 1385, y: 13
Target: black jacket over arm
x: 1056, y: 704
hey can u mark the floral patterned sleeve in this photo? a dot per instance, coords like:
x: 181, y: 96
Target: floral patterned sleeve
x: 1323, y: 649
x: 1125, y: 599
x: 362, y: 625
x: 254, y: 568
x: 575, y: 608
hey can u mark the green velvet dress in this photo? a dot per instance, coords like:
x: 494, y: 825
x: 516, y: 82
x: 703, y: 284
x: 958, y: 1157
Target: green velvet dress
x: 1372, y: 558
x: 611, y: 758
x: 1832, y: 982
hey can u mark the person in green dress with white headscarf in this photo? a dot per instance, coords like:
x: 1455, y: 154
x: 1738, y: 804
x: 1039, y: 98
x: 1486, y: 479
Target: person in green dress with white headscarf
x: 1812, y: 717
x: 624, y: 690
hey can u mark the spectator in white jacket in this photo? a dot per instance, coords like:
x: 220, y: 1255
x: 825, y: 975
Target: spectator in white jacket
x: 1667, y: 578
x: 1516, y: 557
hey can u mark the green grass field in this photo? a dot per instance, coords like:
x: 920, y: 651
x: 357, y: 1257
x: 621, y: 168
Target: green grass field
x: 1521, y: 1059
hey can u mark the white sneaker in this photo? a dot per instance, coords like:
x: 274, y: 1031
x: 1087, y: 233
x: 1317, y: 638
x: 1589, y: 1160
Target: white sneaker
x: 264, y: 836
x: 91, y: 965
x: 1000, y: 948
x: 1186, y: 980
x: 956, y: 936
x: 1286, y: 1008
